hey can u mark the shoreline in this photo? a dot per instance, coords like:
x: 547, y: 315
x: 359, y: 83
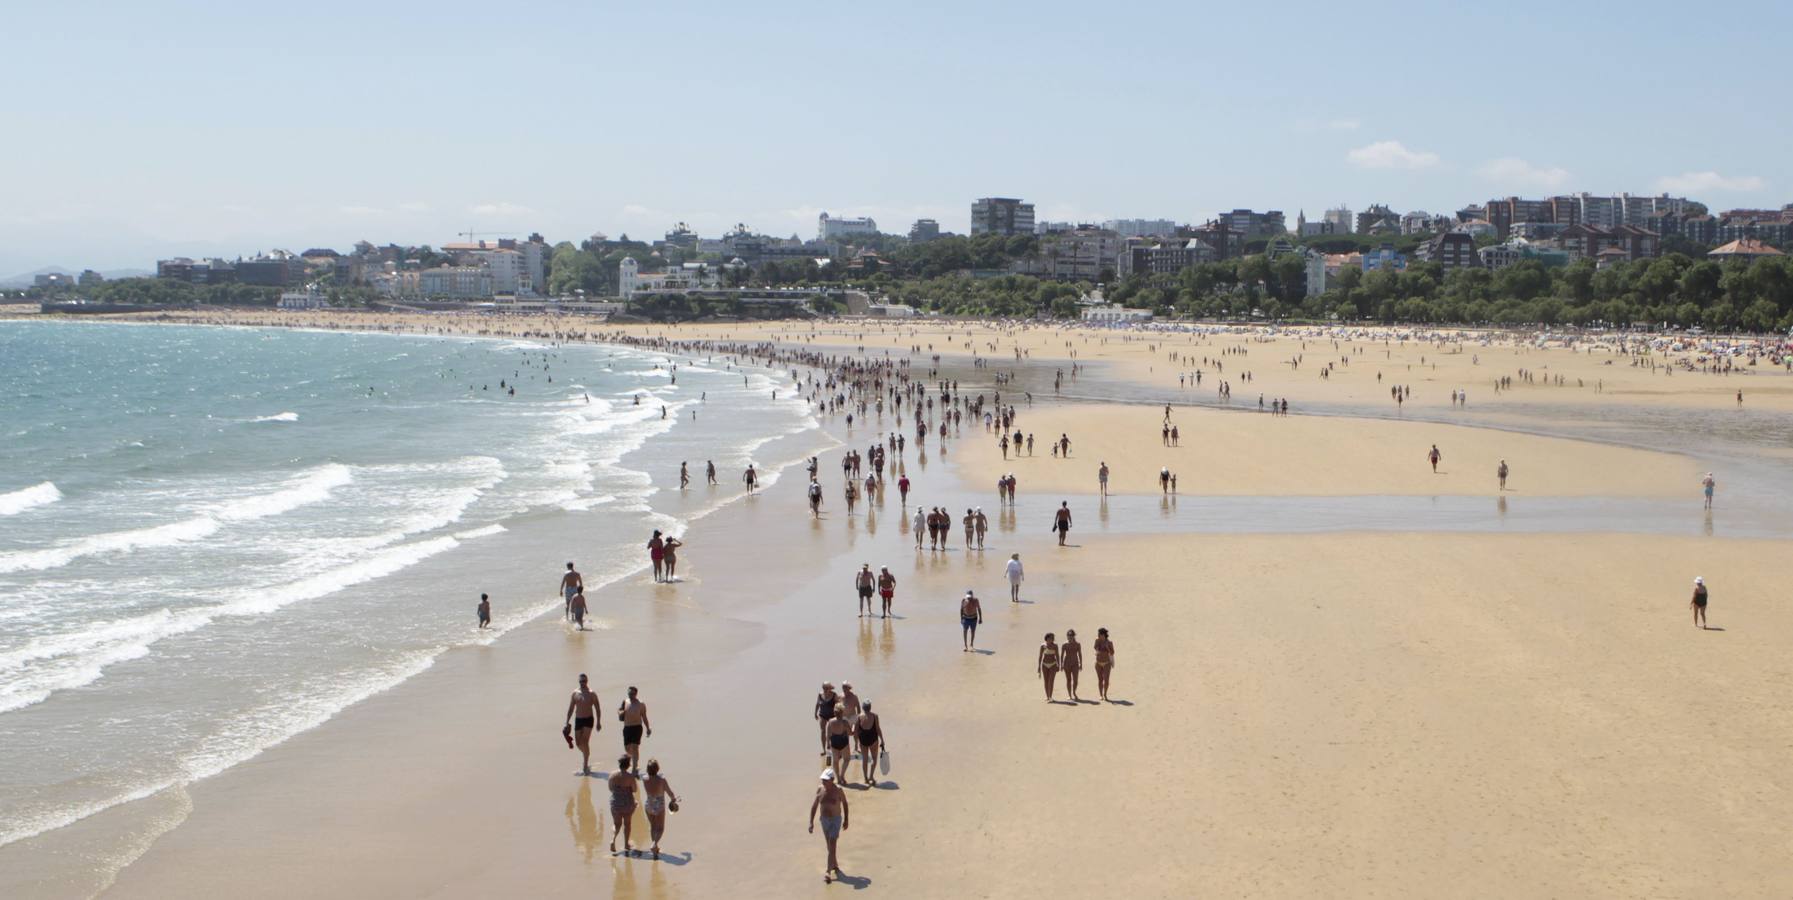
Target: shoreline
x: 736, y: 622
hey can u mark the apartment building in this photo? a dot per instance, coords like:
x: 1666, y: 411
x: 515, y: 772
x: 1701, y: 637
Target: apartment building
x: 1001, y: 215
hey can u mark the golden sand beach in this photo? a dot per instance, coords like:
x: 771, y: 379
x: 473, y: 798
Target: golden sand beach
x: 1491, y: 711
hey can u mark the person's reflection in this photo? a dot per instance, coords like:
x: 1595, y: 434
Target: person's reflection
x: 1708, y: 524
x: 1500, y: 506
x: 886, y: 639
x: 583, y: 821
x: 1102, y: 510
x: 865, y: 640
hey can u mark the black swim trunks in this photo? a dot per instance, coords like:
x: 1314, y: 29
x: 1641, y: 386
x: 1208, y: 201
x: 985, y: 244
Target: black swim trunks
x: 631, y: 735
x: 583, y: 722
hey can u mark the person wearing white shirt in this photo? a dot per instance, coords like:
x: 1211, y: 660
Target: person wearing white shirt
x: 1015, y: 576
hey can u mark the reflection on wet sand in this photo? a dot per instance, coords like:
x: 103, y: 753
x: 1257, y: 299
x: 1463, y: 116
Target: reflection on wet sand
x: 583, y: 821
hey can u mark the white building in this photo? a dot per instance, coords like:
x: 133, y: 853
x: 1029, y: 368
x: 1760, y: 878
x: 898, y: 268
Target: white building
x: 510, y: 274
x: 1111, y: 314
x: 1316, y: 272
x: 692, y: 276
x: 1340, y: 218
x: 456, y: 282
x: 309, y: 298
x: 829, y: 228
x: 1140, y: 227
x: 890, y: 311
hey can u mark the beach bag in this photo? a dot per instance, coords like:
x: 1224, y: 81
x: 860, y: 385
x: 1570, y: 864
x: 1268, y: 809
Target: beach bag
x: 884, y: 762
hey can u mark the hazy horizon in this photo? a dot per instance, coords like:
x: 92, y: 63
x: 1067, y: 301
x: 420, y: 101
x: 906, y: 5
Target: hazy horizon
x: 169, y: 129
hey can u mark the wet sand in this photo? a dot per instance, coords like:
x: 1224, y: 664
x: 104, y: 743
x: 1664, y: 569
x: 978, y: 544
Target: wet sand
x: 1304, y: 714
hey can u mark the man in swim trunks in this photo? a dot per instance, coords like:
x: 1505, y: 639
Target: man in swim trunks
x: 983, y: 525
x: 709, y: 471
x: 970, y: 523
x: 1061, y: 521
x: 831, y: 801
x: 864, y: 582
x: 571, y: 583
x: 485, y: 611
x: 886, y: 588
x: 634, y: 716
x: 582, y: 717
x: 1501, y: 473
x: 579, y: 609
x: 971, y: 615
x: 1102, y: 478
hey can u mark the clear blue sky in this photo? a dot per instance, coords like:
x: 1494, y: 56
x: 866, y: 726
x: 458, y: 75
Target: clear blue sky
x: 140, y: 129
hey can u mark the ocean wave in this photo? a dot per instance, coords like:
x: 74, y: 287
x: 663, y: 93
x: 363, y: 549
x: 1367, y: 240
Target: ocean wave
x: 323, y: 584
x: 15, y: 502
x: 311, y: 487
x: 278, y: 417
x: 475, y: 533
x: 59, y: 662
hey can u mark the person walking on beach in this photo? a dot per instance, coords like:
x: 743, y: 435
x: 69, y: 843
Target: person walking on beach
x: 582, y: 718
x: 971, y: 615
x: 1434, y: 456
x: 1102, y: 477
x: 657, y: 799
x: 865, y: 582
x: 886, y: 588
x: 579, y: 610
x: 1706, y: 485
x: 922, y: 522
x: 1061, y: 521
x: 1699, y: 603
x: 970, y: 523
x: 825, y: 703
x: 1015, y: 575
x: 839, y: 731
x: 656, y: 552
x: 1104, y: 660
x: 983, y: 525
x: 1071, y: 662
x: 485, y: 611
x: 815, y: 498
x: 622, y: 805
x: 1046, y: 665
x: 571, y: 583
x: 831, y: 801
x: 633, y: 714
x: 669, y: 552
x: 684, y: 477
x: 1501, y: 473
x: 869, y: 731
x: 709, y: 471
x: 903, y: 489
x: 750, y: 478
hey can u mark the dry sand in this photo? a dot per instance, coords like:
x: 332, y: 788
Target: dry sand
x: 1234, y: 453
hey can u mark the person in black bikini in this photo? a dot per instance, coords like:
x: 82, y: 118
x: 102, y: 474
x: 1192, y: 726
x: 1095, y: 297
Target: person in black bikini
x: 870, y: 732
x: 825, y: 703
x: 840, y: 733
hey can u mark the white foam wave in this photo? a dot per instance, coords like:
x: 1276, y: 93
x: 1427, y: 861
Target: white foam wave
x: 15, y: 502
x: 329, y: 582
x: 476, y: 533
x: 278, y: 417
x: 310, y: 488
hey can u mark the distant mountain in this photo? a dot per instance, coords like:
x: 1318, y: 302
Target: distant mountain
x: 24, y: 279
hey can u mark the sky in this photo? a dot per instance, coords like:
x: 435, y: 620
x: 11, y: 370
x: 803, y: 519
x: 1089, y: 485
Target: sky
x: 143, y: 129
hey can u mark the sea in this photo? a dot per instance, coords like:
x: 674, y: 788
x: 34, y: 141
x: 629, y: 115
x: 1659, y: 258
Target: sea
x: 215, y: 538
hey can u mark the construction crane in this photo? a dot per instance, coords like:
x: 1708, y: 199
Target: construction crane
x: 470, y: 234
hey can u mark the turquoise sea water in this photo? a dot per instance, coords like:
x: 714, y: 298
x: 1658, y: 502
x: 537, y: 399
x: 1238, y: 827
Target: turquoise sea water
x: 212, y: 538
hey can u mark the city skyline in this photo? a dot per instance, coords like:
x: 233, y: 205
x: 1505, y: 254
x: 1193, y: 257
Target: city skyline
x: 234, y: 134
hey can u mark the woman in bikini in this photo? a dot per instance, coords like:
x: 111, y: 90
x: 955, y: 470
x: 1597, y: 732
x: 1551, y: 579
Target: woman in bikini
x: 656, y: 551
x: 1047, y: 664
x: 1104, y: 660
x: 656, y: 791
x: 669, y: 552
x: 622, y: 804
x: 840, y: 735
x: 1071, y: 661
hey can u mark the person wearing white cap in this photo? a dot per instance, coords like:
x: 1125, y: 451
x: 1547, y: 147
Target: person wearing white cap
x: 983, y: 525
x: 831, y: 802
x: 1699, y: 603
x: 920, y: 525
x: 971, y: 615
x: 1015, y: 576
x: 1707, y: 484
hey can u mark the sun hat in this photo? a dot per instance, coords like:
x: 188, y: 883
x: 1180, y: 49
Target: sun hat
x: 827, y: 775
x: 1699, y: 580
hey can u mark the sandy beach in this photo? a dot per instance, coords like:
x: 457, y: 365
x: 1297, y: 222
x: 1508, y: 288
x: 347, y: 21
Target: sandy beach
x: 1498, y: 711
